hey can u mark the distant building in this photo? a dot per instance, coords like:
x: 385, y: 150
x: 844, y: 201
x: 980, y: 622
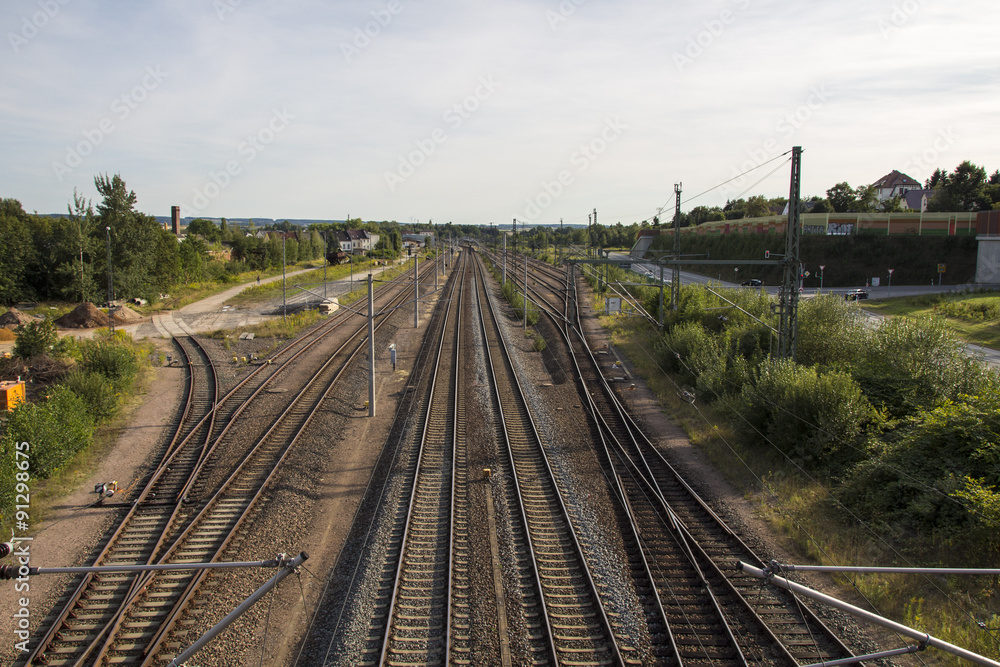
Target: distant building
x: 916, y: 200
x: 894, y: 184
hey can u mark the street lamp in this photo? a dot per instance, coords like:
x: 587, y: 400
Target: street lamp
x: 889, y: 292
x: 822, y: 270
x: 736, y: 272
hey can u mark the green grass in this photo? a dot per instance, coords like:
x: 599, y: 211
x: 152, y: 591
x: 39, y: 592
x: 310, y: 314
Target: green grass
x: 974, y: 317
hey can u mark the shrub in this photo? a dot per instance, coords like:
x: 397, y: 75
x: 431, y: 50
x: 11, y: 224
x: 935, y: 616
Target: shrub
x: 831, y: 332
x: 115, y: 360
x: 908, y: 365
x: 926, y: 458
x: 35, y: 338
x: 96, y: 391
x: 815, y: 418
x: 56, y: 429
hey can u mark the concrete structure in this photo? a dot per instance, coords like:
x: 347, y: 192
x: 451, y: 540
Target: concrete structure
x: 988, y: 259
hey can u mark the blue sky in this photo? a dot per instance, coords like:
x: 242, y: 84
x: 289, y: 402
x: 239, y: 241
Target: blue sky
x: 476, y: 112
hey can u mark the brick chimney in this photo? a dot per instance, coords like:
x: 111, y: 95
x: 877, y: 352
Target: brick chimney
x: 175, y: 220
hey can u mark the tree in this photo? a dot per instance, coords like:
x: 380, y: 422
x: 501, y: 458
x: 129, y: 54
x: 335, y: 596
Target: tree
x: 136, y: 243
x: 206, y: 229
x: 16, y: 252
x: 757, y: 207
x: 841, y: 197
x: 891, y: 205
x: 962, y: 190
x: 80, y: 229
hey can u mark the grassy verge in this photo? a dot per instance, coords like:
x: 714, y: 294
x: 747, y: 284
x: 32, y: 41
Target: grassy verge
x: 269, y: 291
x: 801, y: 511
x: 973, y: 317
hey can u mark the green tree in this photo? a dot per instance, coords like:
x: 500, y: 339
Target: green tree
x: 206, y: 229
x: 757, y: 207
x: 136, y: 243
x: 16, y: 252
x: 962, y: 190
x: 79, y: 229
x: 35, y: 339
x: 841, y: 197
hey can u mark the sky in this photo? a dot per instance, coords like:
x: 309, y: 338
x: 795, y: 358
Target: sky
x: 475, y: 112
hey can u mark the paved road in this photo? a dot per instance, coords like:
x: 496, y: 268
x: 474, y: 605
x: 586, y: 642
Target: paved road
x: 651, y: 270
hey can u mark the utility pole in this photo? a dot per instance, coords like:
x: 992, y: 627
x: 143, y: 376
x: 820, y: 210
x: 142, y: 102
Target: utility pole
x: 525, y: 327
x: 284, y: 306
x: 590, y: 234
x: 788, y: 297
x: 416, y: 295
x: 324, y: 265
x: 503, y: 279
x: 675, y: 272
x: 371, y: 348
x: 111, y: 288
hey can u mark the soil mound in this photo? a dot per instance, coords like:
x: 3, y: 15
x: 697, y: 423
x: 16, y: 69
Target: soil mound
x: 84, y: 316
x: 125, y: 315
x: 14, y: 318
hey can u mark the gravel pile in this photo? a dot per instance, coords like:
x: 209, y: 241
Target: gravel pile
x: 14, y: 318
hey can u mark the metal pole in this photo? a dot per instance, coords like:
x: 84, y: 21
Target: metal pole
x: 324, y: 265
x: 12, y: 570
x: 889, y: 294
x: 799, y: 589
x: 286, y: 569
x: 371, y: 348
x: 889, y: 570
x: 284, y: 303
x: 822, y: 271
x: 661, y: 296
x: 111, y: 289
x: 416, y: 294
x: 503, y: 280
x: 525, y: 326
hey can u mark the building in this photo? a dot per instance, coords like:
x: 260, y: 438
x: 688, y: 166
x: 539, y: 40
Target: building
x: 894, y: 184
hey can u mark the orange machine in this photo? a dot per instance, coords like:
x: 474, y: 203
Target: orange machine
x: 11, y: 393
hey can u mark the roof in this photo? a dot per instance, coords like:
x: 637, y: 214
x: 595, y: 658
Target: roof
x: 914, y: 197
x: 895, y: 179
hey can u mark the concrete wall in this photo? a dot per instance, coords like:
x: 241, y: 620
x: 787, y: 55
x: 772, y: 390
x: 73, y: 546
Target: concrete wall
x: 988, y: 262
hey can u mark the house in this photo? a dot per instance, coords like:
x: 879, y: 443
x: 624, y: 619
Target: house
x: 916, y: 200
x: 362, y: 241
x: 894, y: 184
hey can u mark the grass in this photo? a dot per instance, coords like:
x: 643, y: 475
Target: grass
x: 799, y: 509
x: 269, y: 291
x: 973, y: 317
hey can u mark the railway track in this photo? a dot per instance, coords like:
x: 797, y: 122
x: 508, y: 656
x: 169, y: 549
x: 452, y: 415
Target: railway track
x: 579, y: 630
x: 419, y: 619
x: 714, y: 613
x: 91, y: 626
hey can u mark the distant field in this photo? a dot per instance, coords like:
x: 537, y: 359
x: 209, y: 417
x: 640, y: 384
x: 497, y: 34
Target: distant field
x: 974, y: 318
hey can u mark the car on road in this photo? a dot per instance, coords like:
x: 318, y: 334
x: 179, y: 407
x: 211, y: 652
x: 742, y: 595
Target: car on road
x: 753, y: 282
x: 856, y: 294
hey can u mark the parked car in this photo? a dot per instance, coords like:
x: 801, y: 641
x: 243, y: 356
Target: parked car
x: 856, y: 294
x: 753, y: 282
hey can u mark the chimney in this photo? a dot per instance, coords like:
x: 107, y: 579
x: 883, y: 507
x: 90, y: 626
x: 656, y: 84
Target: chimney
x: 175, y: 219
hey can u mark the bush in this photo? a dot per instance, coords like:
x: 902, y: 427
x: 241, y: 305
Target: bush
x: 908, y: 365
x: 831, y: 332
x: 96, y: 391
x: 115, y: 360
x: 812, y: 417
x: 35, y: 339
x: 56, y: 429
x: 926, y: 458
